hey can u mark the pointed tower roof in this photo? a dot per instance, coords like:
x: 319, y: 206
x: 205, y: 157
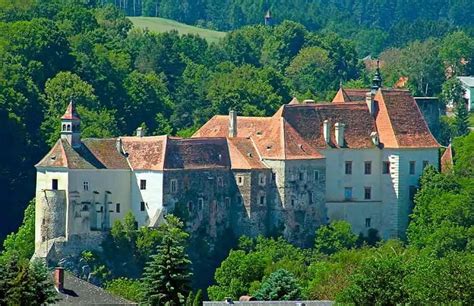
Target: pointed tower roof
x: 71, y: 113
x: 341, y: 96
x: 294, y: 101
x: 268, y: 15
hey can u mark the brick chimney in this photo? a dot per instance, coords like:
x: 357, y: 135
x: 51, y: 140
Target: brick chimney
x: 326, y: 131
x: 339, y: 133
x: 232, y: 123
x: 59, y: 278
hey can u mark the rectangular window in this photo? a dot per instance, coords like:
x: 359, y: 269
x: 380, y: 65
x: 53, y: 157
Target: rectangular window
x: 200, y: 203
x: 367, y: 193
x: 262, y: 200
x: 274, y: 176
x: 142, y: 206
x: 227, y: 202
x: 142, y: 184
x: 412, y: 167
x: 301, y: 176
x: 262, y: 179
x: 220, y: 181
x: 368, y: 167
x: 367, y: 222
x: 348, y: 193
x: 310, y: 197
x: 174, y: 186
x: 348, y: 168
x: 86, y: 186
x: 240, y: 180
x: 54, y: 184
x: 117, y: 207
x: 386, y: 167
x: 316, y: 176
x: 425, y: 164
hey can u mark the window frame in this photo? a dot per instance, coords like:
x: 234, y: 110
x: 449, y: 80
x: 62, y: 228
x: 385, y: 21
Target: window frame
x: 368, y: 168
x: 385, y: 167
x: 316, y: 176
x: 367, y: 193
x: 142, y: 206
x: 117, y: 208
x: 262, y: 179
x: 426, y: 163
x: 200, y: 203
x: 348, y: 167
x: 173, y: 186
x: 54, y: 184
x: 368, y: 222
x: 412, y: 167
x: 142, y: 184
x: 85, y: 185
x: 240, y: 180
x: 350, y: 189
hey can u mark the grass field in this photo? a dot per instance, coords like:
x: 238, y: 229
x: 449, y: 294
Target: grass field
x: 158, y: 25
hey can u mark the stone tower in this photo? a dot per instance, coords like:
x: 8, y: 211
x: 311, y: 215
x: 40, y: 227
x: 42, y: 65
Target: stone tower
x: 71, y: 126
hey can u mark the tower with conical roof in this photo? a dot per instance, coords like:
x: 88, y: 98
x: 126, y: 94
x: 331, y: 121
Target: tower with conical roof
x: 71, y: 126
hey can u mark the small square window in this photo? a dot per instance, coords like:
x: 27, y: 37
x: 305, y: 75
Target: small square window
x: 86, y: 186
x: 367, y: 193
x: 348, y: 167
x: 142, y: 184
x: 174, y: 186
x: 412, y: 167
x: 142, y: 206
x: 367, y: 222
x: 348, y: 193
x: 117, y: 207
x: 368, y: 167
x: 240, y: 180
x: 386, y: 167
x: 316, y: 175
x: 54, y: 184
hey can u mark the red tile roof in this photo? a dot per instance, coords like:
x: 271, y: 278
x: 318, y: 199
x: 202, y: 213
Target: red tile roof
x: 350, y: 95
x: 243, y: 154
x: 71, y: 113
x: 145, y: 153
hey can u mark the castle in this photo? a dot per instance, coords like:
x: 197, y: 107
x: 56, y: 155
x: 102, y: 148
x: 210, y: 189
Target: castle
x: 357, y: 158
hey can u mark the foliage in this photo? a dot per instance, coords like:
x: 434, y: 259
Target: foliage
x: 281, y: 285
x: 462, y: 120
x: 22, y: 243
x: 334, y: 237
x: 167, y: 274
x: 24, y: 283
x: 130, y: 289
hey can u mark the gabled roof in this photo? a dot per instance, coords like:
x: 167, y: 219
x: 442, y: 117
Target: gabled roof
x: 218, y: 126
x: 400, y: 122
x: 92, y: 154
x: 145, y: 153
x: 350, y: 95
x: 243, y: 154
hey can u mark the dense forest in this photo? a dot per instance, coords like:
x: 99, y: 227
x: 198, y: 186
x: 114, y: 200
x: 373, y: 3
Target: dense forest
x: 55, y: 51
x: 373, y: 25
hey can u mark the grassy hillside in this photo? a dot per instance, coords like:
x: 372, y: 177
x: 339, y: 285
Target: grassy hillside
x: 159, y: 25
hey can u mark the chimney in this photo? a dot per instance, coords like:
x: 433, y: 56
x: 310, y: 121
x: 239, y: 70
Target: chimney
x: 369, y: 99
x: 339, y: 134
x: 326, y: 133
x: 59, y: 278
x: 140, y: 132
x: 118, y: 145
x: 308, y: 101
x: 232, y: 123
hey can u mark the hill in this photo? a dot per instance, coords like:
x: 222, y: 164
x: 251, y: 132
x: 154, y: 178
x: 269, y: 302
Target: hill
x: 159, y: 25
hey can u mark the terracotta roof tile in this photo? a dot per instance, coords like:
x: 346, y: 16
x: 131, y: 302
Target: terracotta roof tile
x: 197, y: 153
x: 145, y: 153
x: 407, y: 122
x: 71, y: 112
x: 350, y: 95
x: 105, y: 151
x: 243, y: 154
x: 56, y: 157
x: 447, y: 160
x: 218, y: 126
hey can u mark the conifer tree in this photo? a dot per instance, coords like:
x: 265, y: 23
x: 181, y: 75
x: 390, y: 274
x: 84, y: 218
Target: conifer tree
x: 462, y: 120
x: 167, y: 274
x: 198, y: 298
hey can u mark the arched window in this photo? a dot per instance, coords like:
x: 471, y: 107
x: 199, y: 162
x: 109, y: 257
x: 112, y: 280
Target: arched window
x: 64, y: 127
x: 68, y: 127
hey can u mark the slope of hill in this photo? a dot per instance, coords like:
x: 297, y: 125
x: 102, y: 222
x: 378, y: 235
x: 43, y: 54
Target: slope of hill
x: 159, y: 25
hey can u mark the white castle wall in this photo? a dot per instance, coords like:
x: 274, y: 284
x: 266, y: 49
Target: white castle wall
x: 152, y: 195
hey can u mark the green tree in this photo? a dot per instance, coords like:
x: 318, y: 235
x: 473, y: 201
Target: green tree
x: 462, y: 119
x: 281, y: 285
x: 334, y: 237
x: 167, y: 274
x: 130, y: 289
x: 198, y: 298
x: 22, y: 243
x: 457, y: 52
